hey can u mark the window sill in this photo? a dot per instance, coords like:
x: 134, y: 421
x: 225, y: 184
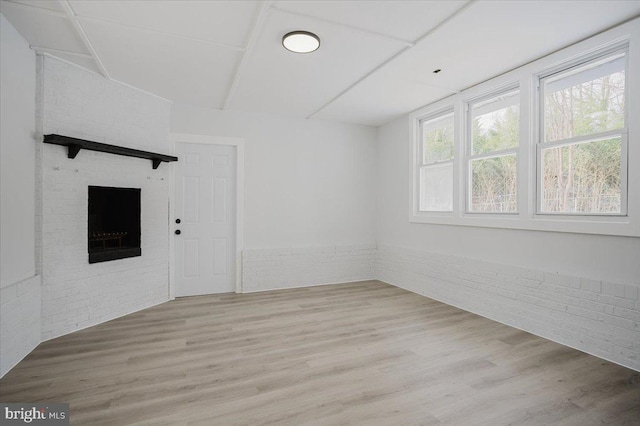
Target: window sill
x: 599, y: 225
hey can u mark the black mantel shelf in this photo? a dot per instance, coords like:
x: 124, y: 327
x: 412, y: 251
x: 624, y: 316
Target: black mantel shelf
x: 75, y: 145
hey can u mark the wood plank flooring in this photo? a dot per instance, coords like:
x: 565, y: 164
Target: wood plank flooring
x: 352, y: 354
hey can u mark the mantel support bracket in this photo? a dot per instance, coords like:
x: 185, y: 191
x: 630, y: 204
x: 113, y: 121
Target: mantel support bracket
x: 73, y: 150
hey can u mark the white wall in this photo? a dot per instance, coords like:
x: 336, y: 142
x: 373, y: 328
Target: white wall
x: 19, y: 286
x: 17, y: 133
x: 308, y: 184
x: 599, y: 314
x: 78, y: 103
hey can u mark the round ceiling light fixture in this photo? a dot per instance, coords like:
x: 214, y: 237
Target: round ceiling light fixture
x: 301, y: 41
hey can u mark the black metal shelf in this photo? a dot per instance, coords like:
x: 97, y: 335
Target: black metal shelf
x: 74, y: 146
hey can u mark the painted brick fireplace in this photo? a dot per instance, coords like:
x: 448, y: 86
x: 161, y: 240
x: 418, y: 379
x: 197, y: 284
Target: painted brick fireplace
x: 77, y: 103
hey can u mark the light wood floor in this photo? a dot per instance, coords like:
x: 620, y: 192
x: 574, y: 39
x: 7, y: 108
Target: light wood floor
x: 353, y: 354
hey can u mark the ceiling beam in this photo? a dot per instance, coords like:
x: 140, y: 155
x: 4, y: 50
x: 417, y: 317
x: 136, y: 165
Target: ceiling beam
x: 251, y: 42
x: 85, y: 39
x: 149, y: 30
x: 340, y: 24
x: 418, y: 41
x: 50, y: 12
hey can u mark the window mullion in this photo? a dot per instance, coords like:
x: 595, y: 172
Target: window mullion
x: 437, y: 163
x: 493, y: 154
x: 585, y: 138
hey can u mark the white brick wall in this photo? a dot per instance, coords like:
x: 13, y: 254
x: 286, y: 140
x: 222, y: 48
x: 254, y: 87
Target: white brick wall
x: 19, y: 321
x: 76, y: 294
x: 597, y: 317
x: 19, y: 284
x: 269, y: 269
x: 81, y: 104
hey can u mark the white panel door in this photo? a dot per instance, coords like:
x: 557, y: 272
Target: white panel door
x: 205, y: 206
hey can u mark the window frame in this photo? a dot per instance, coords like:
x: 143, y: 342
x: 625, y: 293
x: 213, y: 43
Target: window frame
x: 527, y: 78
x: 541, y: 144
x: 470, y: 157
x: 441, y: 114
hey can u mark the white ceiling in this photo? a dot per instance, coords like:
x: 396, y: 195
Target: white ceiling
x: 375, y: 62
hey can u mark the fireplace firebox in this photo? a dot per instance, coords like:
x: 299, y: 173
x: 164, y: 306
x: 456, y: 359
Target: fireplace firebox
x: 114, y: 223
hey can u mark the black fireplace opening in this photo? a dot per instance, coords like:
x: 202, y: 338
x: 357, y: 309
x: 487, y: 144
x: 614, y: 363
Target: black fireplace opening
x: 114, y: 223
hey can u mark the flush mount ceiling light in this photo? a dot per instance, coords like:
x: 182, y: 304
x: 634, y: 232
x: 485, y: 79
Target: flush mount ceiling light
x: 301, y: 41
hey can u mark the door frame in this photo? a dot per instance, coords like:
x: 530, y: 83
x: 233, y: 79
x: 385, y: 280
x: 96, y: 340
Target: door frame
x: 210, y: 140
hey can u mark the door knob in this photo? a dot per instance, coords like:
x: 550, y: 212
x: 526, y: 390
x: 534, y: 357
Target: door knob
x: 177, y: 232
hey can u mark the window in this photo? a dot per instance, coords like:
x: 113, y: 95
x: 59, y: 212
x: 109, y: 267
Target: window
x: 553, y: 145
x: 493, y: 140
x: 583, y: 137
x: 436, y: 163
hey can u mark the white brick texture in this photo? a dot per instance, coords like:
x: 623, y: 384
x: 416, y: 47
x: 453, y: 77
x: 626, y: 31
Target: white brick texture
x: 600, y: 318
x: 270, y: 269
x: 19, y: 321
x: 76, y: 294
